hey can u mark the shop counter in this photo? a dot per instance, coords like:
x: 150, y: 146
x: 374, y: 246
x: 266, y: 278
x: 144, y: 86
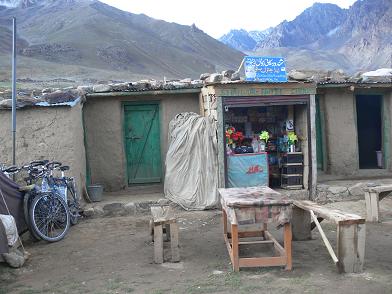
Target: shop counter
x: 247, y: 170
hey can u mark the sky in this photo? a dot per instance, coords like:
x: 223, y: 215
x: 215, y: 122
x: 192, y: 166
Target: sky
x: 217, y: 17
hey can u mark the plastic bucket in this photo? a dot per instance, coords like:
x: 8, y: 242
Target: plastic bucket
x: 379, y: 159
x: 95, y: 192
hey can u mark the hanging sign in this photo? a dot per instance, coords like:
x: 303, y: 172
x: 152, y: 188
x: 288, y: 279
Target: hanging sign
x: 265, y: 69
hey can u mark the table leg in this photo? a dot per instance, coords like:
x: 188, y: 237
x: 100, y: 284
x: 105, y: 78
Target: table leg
x: 264, y: 229
x: 235, y: 248
x: 158, y: 244
x: 224, y: 219
x: 287, y: 245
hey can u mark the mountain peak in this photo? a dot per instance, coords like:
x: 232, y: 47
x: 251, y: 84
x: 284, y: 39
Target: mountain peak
x: 29, y: 3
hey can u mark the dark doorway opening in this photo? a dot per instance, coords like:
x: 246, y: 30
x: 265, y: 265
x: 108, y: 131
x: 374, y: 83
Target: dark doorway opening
x: 369, y: 129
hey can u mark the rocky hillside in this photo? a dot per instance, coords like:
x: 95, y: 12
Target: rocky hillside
x: 80, y: 37
x: 358, y: 38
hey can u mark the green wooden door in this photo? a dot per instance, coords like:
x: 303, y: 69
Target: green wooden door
x: 142, y: 143
x: 319, y: 136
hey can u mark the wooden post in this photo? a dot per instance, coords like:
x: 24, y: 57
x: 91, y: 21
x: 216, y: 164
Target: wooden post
x: 375, y: 204
x: 372, y: 206
x: 234, y: 247
x: 158, y: 244
x: 312, y: 138
x: 351, y: 247
x: 301, y: 223
x: 174, y: 243
x: 287, y: 245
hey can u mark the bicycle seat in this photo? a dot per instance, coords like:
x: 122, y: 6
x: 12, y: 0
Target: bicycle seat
x: 26, y: 188
x: 64, y: 168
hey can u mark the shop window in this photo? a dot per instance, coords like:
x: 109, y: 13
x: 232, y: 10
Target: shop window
x: 259, y: 141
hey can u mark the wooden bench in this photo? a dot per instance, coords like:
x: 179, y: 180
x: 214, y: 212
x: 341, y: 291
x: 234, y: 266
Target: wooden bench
x: 351, y: 233
x: 373, y: 195
x: 163, y: 216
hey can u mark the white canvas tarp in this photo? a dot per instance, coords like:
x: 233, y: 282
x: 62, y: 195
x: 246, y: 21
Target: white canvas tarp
x: 191, y: 178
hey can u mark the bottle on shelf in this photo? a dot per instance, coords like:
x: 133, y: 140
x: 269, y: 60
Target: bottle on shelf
x: 255, y: 145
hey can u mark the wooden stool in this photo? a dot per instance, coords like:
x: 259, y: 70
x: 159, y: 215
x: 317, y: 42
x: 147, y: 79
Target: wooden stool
x: 163, y: 217
x: 373, y: 195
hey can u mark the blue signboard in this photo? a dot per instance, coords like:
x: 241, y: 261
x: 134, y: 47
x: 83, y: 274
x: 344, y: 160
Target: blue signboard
x: 265, y: 69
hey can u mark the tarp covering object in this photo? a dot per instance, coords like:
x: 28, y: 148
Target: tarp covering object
x: 191, y: 178
x: 14, y: 200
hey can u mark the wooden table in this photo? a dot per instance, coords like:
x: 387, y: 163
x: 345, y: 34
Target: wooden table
x: 252, y: 205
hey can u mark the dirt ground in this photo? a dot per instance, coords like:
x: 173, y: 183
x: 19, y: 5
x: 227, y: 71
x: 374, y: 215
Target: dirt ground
x: 114, y: 255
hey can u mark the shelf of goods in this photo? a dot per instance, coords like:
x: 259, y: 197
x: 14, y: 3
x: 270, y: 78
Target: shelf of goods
x: 292, y: 170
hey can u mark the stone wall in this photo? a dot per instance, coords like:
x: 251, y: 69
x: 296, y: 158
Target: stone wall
x: 346, y: 190
x: 53, y: 133
x: 104, y: 133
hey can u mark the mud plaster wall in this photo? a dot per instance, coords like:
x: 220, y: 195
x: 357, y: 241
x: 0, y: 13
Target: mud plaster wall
x: 53, y: 133
x: 341, y: 132
x: 104, y: 133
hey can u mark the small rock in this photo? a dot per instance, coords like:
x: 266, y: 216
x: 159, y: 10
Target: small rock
x: 6, y: 103
x: 119, y: 87
x: 98, y: 210
x: 227, y: 73
x: 337, y: 189
x: 215, y: 78
x: 130, y: 208
x: 89, y: 212
x: 14, y: 258
x: 357, y: 189
x: 204, y: 76
x: 101, y: 88
x: 142, y: 85
x: 163, y: 202
x: 236, y: 76
x: 187, y: 80
x: 298, y: 76
x: 85, y: 89
x: 47, y: 90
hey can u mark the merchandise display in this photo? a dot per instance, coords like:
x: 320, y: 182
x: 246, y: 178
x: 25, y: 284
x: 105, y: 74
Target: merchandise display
x: 257, y: 140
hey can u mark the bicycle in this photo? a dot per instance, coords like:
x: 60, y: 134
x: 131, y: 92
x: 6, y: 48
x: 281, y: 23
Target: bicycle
x: 46, y: 214
x: 66, y: 188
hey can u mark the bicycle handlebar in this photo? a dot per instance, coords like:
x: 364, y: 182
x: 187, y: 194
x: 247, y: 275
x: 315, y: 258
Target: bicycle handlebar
x: 53, y: 165
x: 11, y: 169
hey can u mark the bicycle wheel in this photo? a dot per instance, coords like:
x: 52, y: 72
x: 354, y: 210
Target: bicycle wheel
x: 49, y: 216
x: 73, y: 203
x: 27, y: 200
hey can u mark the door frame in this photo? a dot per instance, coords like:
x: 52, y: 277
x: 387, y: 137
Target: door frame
x: 140, y: 103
